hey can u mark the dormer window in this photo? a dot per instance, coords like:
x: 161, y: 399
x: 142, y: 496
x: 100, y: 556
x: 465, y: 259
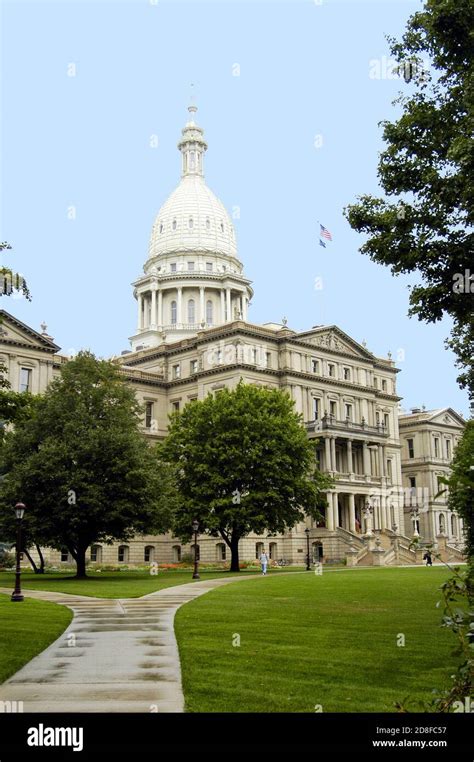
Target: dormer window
x: 191, y: 223
x: 174, y: 224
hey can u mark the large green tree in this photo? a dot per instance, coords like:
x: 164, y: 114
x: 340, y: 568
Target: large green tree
x: 424, y: 224
x: 82, y: 465
x: 243, y: 464
x: 461, y: 492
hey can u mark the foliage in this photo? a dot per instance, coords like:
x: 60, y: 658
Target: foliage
x: 11, y: 281
x: 424, y: 224
x: 82, y: 466
x: 243, y: 464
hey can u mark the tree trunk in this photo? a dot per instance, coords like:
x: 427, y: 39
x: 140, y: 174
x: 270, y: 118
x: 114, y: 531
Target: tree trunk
x: 35, y: 568
x: 81, y: 563
x: 41, y: 558
x: 234, y: 549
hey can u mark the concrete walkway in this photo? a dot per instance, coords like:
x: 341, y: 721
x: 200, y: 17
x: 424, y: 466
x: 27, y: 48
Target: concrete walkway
x: 117, y: 655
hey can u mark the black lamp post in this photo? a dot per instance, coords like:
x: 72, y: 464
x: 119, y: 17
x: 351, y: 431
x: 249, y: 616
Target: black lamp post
x: 196, y: 568
x: 306, y: 531
x: 19, y: 512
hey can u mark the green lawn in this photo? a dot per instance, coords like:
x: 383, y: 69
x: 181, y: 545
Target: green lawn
x: 26, y: 629
x: 307, y: 640
x: 127, y: 584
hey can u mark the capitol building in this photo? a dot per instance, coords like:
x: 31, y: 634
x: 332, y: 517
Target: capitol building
x: 193, y: 337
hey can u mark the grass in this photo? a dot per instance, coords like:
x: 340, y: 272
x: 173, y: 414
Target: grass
x: 27, y: 628
x: 129, y: 584
x: 308, y: 640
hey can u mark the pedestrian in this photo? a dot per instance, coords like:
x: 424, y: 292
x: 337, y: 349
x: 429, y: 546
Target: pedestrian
x: 427, y: 558
x: 263, y: 561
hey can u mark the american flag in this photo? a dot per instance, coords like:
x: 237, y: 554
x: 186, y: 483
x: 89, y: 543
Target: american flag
x: 325, y: 233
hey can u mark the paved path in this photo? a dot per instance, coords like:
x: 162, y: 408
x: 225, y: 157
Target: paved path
x: 117, y: 655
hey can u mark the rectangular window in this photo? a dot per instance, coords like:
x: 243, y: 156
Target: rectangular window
x: 389, y: 469
x: 190, y: 267
x: 436, y: 447
x: 254, y: 355
x: 64, y: 555
x: 332, y: 408
x: 268, y: 359
x: 175, y: 406
x: 25, y: 380
x: 173, y: 267
x: 219, y: 356
x: 384, y: 385
x: 412, y: 480
x: 448, y: 448
x: 348, y: 411
x: 193, y: 366
x: 177, y: 371
x: 315, y: 366
x: 148, y: 414
x: 347, y: 374
x: 316, y: 409
x: 331, y: 369
x: 209, y: 267
x: 94, y: 554
x: 411, y: 448
x: 386, y: 421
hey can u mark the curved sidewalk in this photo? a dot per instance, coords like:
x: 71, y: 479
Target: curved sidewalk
x: 117, y: 655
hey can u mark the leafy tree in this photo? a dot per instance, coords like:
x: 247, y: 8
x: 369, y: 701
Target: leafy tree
x: 243, y: 464
x: 424, y: 227
x: 461, y: 493
x: 11, y: 281
x: 82, y: 465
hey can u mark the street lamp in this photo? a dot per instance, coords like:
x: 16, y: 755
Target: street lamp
x: 306, y: 531
x: 195, y: 530
x: 19, y: 513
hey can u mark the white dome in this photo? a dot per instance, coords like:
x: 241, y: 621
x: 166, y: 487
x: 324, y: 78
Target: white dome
x: 192, y: 219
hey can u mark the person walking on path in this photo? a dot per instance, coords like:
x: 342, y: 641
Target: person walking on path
x: 263, y: 561
x: 427, y: 558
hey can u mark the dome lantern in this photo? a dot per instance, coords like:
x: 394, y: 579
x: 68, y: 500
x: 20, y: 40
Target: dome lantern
x: 192, y: 146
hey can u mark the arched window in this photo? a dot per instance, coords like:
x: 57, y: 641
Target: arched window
x: 258, y: 549
x: 123, y: 554
x: 209, y: 312
x: 317, y: 548
x: 161, y: 228
x: 192, y: 163
x: 442, y: 523
x: 174, y: 224
x: 173, y: 313
x: 222, y: 227
x: 190, y: 222
x: 96, y: 554
x: 453, y: 524
x: 149, y: 553
x: 273, y: 550
x: 220, y: 551
x: 176, y: 554
x: 191, y: 311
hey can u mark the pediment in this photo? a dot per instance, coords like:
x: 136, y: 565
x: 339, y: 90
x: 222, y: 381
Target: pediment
x: 447, y: 417
x: 334, y: 339
x: 13, y: 331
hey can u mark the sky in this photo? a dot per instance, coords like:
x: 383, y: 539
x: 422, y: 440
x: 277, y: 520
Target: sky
x: 94, y: 97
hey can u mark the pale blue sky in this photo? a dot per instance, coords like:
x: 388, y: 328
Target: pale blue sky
x: 85, y: 141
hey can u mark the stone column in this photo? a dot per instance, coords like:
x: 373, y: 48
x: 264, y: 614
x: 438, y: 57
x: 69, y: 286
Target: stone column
x: 222, y: 306
x: 366, y: 459
x: 228, y: 302
x: 179, y: 306
x: 160, y: 308
x: 335, y: 510
x: 330, y: 512
x: 352, y: 516
x: 140, y: 311
x: 333, y: 453
x: 383, y: 460
x: 202, y: 308
x: 349, y: 456
x: 153, y: 307
x: 327, y: 454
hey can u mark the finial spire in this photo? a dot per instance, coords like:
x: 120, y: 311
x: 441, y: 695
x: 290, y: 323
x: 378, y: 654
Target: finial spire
x: 192, y: 108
